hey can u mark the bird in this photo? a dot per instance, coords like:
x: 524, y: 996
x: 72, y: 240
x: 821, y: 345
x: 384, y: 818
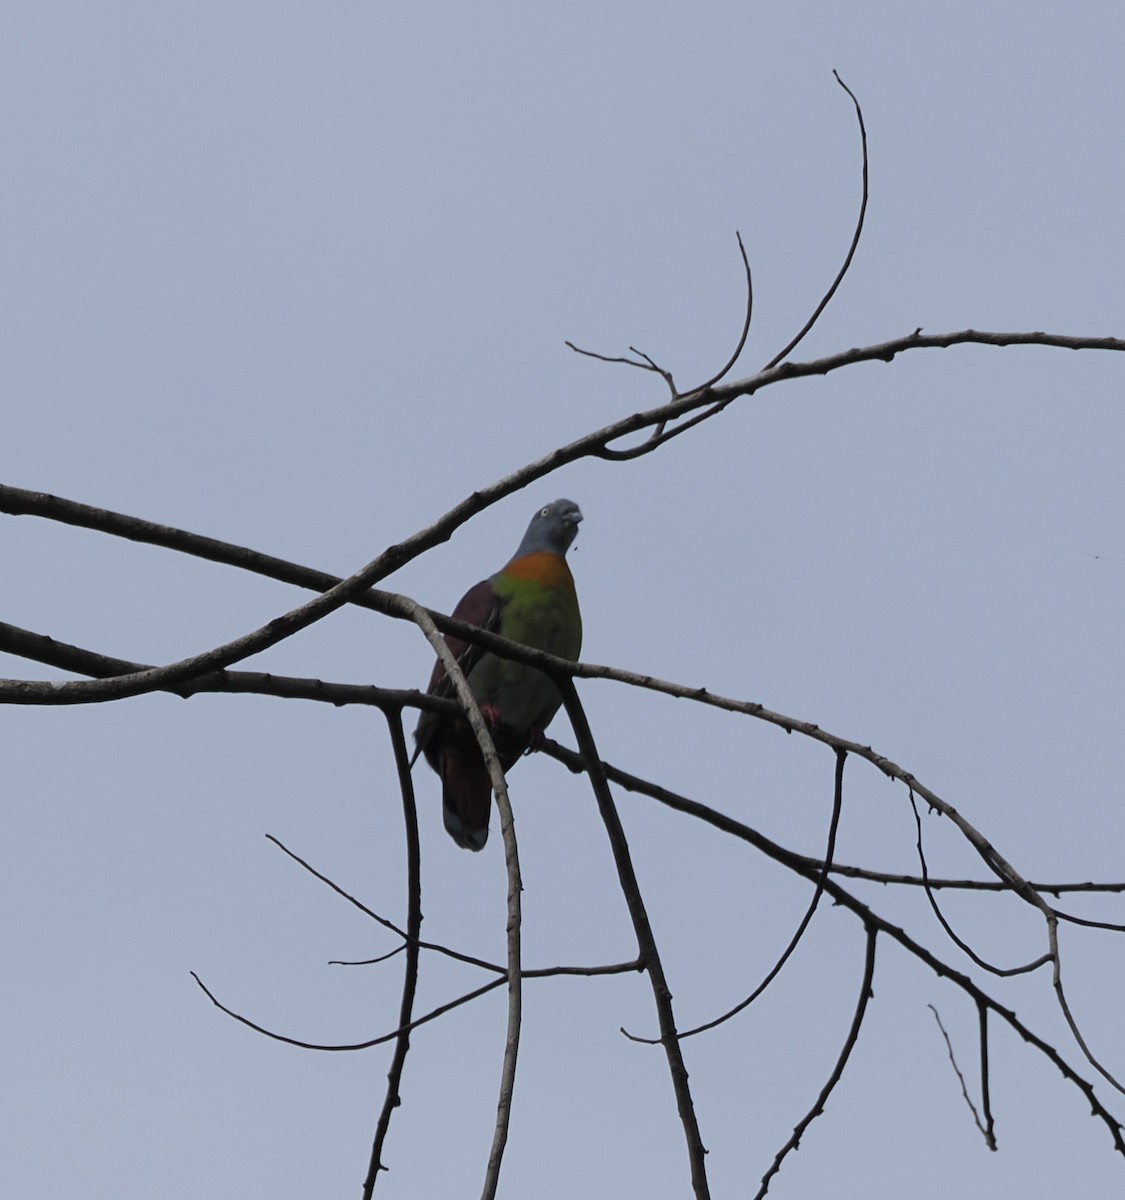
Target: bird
x: 531, y: 600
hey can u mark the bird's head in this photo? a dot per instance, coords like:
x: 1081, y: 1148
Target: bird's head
x: 552, y: 529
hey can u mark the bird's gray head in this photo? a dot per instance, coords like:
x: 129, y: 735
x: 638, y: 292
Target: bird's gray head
x: 552, y: 528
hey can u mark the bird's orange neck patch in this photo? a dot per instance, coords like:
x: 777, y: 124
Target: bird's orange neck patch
x: 544, y: 568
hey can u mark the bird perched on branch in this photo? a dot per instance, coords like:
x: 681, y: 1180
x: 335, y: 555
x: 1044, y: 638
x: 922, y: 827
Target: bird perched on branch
x: 532, y: 601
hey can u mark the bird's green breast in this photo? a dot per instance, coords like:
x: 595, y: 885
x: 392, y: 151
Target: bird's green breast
x: 540, y: 610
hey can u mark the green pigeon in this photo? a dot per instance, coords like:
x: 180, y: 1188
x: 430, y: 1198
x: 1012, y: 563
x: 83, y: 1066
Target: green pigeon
x: 530, y: 600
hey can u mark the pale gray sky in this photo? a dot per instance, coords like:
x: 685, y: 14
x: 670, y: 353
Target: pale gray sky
x: 299, y: 276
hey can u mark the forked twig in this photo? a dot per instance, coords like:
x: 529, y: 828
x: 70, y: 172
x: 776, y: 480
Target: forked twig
x: 660, y: 432
x: 616, y: 359
x: 986, y: 1127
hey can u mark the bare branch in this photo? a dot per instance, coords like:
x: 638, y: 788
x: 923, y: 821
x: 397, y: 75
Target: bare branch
x: 985, y: 1086
x: 515, y: 886
x: 16, y: 500
x: 648, y: 953
x: 799, y: 864
x: 42, y: 648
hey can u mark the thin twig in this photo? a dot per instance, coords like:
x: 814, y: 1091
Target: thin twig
x: 986, y: 1131
x: 1087, y: 922
x: 985, y: 1085
x: 368, y: 962
x: 349, y: 1047
x: 664, y: 374
x: 617, y: 359
x: 837, y: 1071
x: 725, y: 370
x: 457, y: 955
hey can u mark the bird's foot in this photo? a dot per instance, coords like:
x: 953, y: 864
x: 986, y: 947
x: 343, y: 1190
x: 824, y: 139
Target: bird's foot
x: 535, y: 742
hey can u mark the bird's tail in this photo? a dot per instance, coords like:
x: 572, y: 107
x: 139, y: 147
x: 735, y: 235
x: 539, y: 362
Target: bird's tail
x: 466, y: 794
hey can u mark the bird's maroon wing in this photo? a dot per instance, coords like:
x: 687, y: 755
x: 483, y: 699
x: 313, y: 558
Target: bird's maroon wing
x: 480, y: 606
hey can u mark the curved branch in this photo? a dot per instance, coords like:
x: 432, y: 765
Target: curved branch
x: 1076, y: 1033
x: 784, y: 353
x: 951, y: 933
x: 837, y: 805
x: 338, y: 1048
x: 413, y: 930
x: 472, y: 713
x: 724, y: 371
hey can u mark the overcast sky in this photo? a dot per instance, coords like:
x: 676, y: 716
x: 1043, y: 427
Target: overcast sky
x: 299, y: 276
